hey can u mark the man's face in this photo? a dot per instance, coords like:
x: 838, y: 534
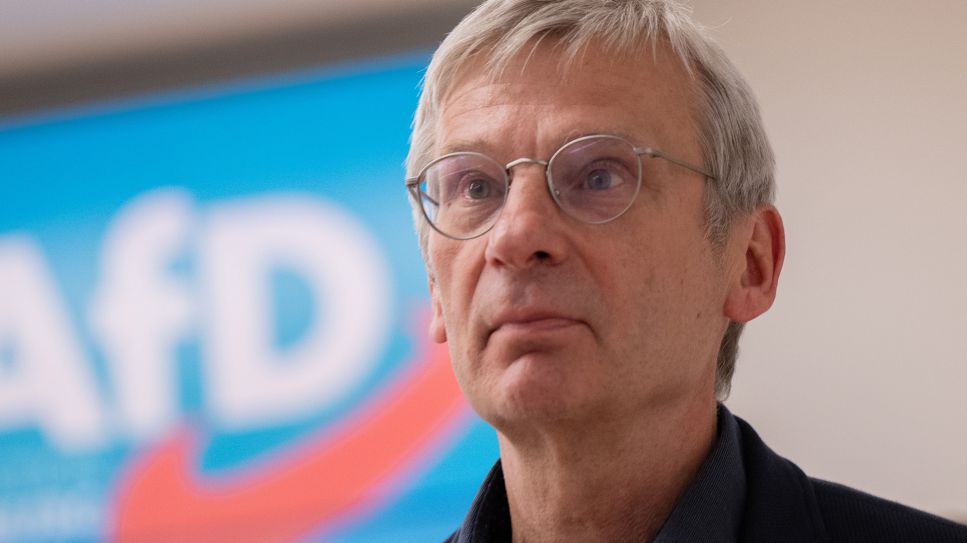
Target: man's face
x: 550, y: 319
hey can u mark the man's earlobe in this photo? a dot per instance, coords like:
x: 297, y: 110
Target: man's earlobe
x: 753, y: 289
x: 438, y: 330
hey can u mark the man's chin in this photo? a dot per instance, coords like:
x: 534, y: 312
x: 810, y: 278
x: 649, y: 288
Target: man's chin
x: 530, y: 395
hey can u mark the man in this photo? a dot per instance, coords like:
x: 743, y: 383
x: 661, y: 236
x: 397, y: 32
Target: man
x: 593, y: 193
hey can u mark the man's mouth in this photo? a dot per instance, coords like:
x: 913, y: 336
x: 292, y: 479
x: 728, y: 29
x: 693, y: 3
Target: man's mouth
x: 532, y: 321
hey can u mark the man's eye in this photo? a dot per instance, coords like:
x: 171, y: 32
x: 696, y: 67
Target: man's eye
x: 478, y: 189
x: 600, y: 179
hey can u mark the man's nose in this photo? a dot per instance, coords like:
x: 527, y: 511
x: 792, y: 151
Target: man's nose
x: 529, y: 230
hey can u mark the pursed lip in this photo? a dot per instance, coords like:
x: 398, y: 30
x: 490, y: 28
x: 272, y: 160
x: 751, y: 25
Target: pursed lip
x: 532, y: 320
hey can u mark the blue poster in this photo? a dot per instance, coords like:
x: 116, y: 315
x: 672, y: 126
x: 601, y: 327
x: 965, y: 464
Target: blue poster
x: 213, y: 321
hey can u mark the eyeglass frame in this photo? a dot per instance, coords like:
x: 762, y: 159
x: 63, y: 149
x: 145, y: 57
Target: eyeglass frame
x: 413, y: 183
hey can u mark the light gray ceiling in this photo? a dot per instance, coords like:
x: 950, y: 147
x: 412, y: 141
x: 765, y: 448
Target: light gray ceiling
x: 59, y: 52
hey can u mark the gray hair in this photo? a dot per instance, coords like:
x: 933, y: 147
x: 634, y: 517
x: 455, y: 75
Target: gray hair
x: 734, y: 145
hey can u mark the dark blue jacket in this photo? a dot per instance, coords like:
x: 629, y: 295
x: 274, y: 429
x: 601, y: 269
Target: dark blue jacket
x: 782, y: 505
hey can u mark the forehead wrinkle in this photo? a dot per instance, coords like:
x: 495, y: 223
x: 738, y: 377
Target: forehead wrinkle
x: 475, y: 100
x: 526, y: 105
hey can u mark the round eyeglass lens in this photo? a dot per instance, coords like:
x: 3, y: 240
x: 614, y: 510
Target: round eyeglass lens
x: 595, y: 179
x: 462, y: 194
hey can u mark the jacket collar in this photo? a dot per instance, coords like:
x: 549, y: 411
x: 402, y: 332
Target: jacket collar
x: 488, y: 520
x: 780, y: 502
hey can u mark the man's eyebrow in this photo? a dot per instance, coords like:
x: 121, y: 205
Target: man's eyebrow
x: 575, y: 134
x: 457, y: 146
x: 481, y: 146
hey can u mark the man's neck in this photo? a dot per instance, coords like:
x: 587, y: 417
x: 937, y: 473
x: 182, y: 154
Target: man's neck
x: 606, y: 483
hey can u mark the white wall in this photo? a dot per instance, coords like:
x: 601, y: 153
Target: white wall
x: 859, y: 371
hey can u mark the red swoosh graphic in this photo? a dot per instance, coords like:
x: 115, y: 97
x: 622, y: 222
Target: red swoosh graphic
x: 335, y: 474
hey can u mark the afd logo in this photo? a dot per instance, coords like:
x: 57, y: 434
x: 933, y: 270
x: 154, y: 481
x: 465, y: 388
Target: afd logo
x: 168, y: 271
x: 142, y: 308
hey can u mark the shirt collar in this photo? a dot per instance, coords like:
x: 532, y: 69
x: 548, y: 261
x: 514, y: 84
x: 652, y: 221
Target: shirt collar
x: 710, y: 510
x: 712, y: 506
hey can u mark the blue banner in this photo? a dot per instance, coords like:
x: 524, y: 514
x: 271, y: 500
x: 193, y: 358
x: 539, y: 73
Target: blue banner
x: 213, y: 322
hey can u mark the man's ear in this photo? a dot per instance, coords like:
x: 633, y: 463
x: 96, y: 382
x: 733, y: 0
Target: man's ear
x: 752, y: 287
x: 438, y: 330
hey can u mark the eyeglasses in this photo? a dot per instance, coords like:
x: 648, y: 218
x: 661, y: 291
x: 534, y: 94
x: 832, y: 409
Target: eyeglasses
x: 594, y: 179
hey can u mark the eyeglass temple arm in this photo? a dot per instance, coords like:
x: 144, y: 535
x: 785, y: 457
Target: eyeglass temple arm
x: 658, y: 154
x: 413, y: 183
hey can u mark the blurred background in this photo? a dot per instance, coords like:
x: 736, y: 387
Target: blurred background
x: 212, y: 306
